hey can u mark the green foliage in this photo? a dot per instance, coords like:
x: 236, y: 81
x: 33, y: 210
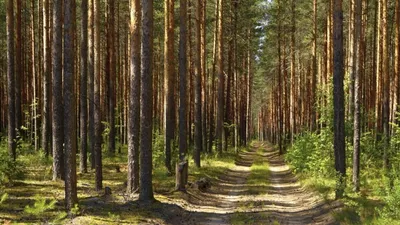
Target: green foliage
x: 159, y: 152
x: 114, y: 217
x: 313, y: 153
x: 10, y: 170
x: 3, y: 198
x: 392, y: 201
x: 40, y: 206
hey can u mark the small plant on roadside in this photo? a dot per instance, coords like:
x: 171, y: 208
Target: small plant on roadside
x: 392, y: 201
x: 3, y: 198
x: 10, y: 170
x: 40, y: 206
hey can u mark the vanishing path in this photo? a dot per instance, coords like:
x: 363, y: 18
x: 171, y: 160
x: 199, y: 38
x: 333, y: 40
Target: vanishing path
x: 231, y: 200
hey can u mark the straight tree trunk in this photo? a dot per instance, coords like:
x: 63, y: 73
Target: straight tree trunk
x: 11, y: 80
x: 97, y: 106
x: 338, y: 97
x: 112, y: 71
x: 69, y: 107
x: 386, y: 87
x: 19, y: 67
x: 293, y: 73
x: 198, y: 145
x: 134, y: 98
x: 183, y: 142
x: 357, y: 93
x: 221, y: 78
x: 397, y: 55
x: 46, y: 128
x: 169, y: 82
x: 203, y: 58
x: 212, y: 89
x: 83, y: 86
x: 91, y: 83
x: 35, y: 74
x: 315, y: 72
x: 58, y: 108
x: 146, y: 117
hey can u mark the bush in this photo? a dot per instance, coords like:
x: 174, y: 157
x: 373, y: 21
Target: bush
x: 10, y: 170
x: 392, y: 201
x: 312, y: 153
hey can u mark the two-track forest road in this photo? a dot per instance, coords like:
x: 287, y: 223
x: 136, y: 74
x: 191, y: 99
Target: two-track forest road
x: 281, y: 199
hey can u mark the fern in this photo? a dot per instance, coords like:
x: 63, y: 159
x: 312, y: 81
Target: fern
x: 40, y: 206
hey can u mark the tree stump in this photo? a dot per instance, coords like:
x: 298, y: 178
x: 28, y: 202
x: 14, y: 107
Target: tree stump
x: 203, y: 184
x: 107, y: 191
x: 181, y: 171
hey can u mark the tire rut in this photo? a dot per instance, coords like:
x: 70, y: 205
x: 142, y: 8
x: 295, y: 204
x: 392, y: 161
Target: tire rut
x: 282, y: 199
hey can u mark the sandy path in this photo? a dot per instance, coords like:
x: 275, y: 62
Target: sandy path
x: 282, y: 200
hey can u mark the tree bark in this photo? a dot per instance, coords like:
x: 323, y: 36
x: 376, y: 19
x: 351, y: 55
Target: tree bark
x: 69, y: 108
x: 293, y: 73
x: 198, y: 145
x: 11, y: 80
x: 46, y: 128
x: 182, y: 85
x: 338, y: 97
x: 134, y: 98
x: 221, y: 78
x: 91, y: 83
x: 58, y: 108
x: 169, y: 82
x: 357, y: 93
x: 19, y: 67
x: 146, y: 116
x: 112, y: 73
x: 386, y: 87
x: 83, y: 87
x: 97, y: 106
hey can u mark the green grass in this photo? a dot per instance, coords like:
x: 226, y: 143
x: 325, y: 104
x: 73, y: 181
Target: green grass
x: 359, y: 208
x: 95, y: 209
x: 258, y: 178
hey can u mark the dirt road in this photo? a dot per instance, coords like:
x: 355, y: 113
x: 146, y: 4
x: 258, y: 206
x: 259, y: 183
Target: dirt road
x: 231, y: 200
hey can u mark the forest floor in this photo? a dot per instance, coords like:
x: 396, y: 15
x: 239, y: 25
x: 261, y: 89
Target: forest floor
x: 254, y: 187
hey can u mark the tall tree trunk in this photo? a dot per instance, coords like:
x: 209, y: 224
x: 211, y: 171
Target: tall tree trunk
x: 46, y: 128
x: 134, y: 98
x: 34, y: 77
x: 203, y: 63
x: 385, y: 87
x: 183, y: 142
x: 221, y: 78
x: 69, y: 107
x: 198, y: 145
x: 350, y: 62
x: 58, y: 109
x: 314, y: 69
x: 169, y: 82
x: 91, y: 83
x: 83, y: 91
x: 357, y: 93
x: 212, y: 89
x: 112, y: 73
x: 293, y: 73
x: 280, y: 92
x: 19, y: 69
x: 11, y: 80
x: 97, y: 106
x: 338, y: 97
x: 397, y: 55
x: 146, y: 117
